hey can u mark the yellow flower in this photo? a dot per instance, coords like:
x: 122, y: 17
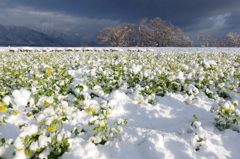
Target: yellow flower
x: 41, y: 122
x: 21, y: 149
x: 99, y: 125
x: 238, y: 118
x: 92, y: 109
x: 108, y: 113
x: 28, y: 114
x: 237, y: 74
x: 84, y: 105
x: 52, y: 128
x: 89, y: 112
x: 46, y: 104
x: 63, y: 108
x: 3, y: 104
x: 140, y: 100
x: 215, y: 70
x: 16, y: 112
x: 49, y: 69
x: 160, y: 75
x: 225, y: 109
x: 15, y: 72
x: 3, y: 108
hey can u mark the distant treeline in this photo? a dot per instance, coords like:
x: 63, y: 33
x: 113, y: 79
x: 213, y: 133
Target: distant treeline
x: 158, y: 33
x: 232, y: 39
x: 154, y: 32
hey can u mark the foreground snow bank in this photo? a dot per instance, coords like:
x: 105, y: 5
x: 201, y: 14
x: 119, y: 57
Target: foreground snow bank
x: 162, y: 131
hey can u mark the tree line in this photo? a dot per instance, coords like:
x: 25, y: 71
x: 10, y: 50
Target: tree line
x: 148, y: 33
x: 232, y: 39
x: 156, y: 32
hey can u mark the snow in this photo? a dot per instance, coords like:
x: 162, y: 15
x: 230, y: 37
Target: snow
x: 131, y: 49
x: 163, y: 130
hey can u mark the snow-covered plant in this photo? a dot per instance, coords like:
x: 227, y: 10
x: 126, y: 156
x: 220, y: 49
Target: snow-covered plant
x: 53, y: 89
x: 6, y: 148
x: 3, y: 119
x: 104, y: 132
x: 227, y: 116
x: 42, y: 144
x: 199, y: 133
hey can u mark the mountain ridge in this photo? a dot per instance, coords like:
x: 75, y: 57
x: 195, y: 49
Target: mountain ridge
x: 24, y: 36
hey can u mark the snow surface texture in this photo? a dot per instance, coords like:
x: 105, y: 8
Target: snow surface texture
x: 159, y: 131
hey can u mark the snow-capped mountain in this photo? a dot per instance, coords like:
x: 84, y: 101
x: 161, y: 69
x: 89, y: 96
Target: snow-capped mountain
x: 23, y: 36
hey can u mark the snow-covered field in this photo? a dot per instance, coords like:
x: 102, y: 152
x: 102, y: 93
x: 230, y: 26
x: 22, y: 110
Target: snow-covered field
x: 158, y: 49
x: 88, y: 103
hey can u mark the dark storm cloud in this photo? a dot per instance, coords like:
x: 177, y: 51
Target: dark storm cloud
x: 192, y: 16
x: 233, y: 22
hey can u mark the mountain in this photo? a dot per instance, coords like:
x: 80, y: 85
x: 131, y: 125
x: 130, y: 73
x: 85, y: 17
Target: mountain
x: 68, y: 39
x: 63, y: 38
x: 23, y: 36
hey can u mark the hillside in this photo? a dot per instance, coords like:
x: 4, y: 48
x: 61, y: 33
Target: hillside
x: 23, y: 36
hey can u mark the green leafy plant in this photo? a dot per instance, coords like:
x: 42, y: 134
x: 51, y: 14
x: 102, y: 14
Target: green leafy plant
x: 227, y: 116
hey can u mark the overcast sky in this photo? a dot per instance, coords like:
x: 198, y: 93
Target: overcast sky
x: 88, y: 17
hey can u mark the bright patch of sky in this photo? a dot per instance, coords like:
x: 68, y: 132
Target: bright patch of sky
x: 219, y: 19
